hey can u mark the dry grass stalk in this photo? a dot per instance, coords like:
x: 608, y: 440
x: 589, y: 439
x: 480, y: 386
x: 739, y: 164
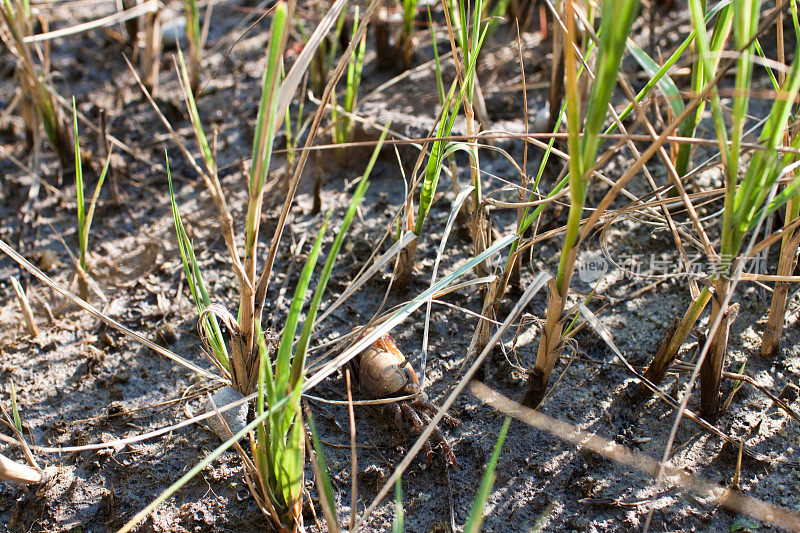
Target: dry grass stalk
x: 786, y: 265
x: 25, y: 307
x: 151, y: 54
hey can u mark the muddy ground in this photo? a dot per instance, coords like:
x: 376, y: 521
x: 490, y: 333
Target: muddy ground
x: 80, y: 382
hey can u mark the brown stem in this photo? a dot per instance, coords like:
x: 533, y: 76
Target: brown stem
x: 482, y: 333
x: 478, y: 226
x: 774, y: 329
x: 549, y: 349
x: 711, y: 369
x: 664, y: 357
x: 405, y: 265
x: 673, y: 340
x: 151, y: 54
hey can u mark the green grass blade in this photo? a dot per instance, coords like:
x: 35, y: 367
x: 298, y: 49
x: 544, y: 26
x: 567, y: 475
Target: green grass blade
x: 298, y: 363
x: 14, y: 409
x: 475, y: 519
x: 760, y: 51
x: 762, y: 172
x: 289, y: 329
x: 192, y: 22
x: 95, y: 196
x: 662, y: 71
x: 707, y: 57
x: 616, y: 22
x: 617, y: 19
x: 744, y: 29
x: 294, y: 460
x: 786, y: 194
x: 398, y: 524
x: 438, y: 154
x: 409, y: 13
x: 324, y: 485
x: 433, y: 167
x: 194, y: 279
x: 81, y: 199
x: 267, y: 109
x: 437, y: 63
x: 664, y: 82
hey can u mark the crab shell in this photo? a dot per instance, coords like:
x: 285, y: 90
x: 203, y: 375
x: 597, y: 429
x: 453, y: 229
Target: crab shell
x: 383, y: 371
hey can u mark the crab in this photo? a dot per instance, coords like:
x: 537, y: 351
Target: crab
x: 382, y: 372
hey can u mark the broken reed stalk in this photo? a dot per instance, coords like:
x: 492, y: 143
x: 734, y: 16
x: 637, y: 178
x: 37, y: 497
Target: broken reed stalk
x: 25, y: 308
x: 790, y: 242
x: 673, y: 340
x: 617, y: 18
x: 786, y: 265
x: 151, y: 54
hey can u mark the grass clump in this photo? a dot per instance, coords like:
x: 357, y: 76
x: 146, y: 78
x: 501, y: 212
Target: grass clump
x: 39, y: 104
x: 583, y: 145
x: 749, y: 198
x: 342, y: 123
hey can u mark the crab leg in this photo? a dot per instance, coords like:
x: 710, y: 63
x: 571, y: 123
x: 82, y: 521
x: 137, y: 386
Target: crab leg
x: 418, y: 426
x: 441, y: 441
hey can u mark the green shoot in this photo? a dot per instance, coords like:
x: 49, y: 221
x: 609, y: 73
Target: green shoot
x: 342, y: 125
x: 409, y: 13
x: 475, y: 519
x: 405, y: 43
x: 14, y: 409
x: 398, y: 524
x: 85, y: 215
x: 197, y: 286
x: 195, y: 45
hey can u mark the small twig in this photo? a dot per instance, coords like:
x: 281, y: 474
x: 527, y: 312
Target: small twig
x: 353, y: 454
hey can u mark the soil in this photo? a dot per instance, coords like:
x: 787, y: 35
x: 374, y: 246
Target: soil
x: 81, y: 382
